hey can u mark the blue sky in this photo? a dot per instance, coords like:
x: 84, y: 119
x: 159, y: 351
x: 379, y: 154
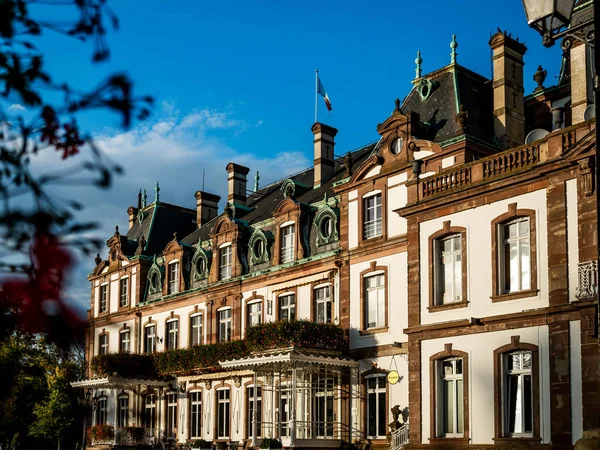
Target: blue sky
x: 235, y: 81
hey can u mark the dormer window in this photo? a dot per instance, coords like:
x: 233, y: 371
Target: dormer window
x: 173, y: 286
x: 372, y: 220
x: 225, y: 262
x: 288, y: 234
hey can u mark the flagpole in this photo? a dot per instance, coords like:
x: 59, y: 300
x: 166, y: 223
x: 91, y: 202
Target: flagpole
x: 316, y: 95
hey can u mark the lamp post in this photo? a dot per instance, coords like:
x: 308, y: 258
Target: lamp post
x: 85, y: 400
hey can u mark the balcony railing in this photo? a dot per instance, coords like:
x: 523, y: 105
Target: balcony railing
x: 587, y: 284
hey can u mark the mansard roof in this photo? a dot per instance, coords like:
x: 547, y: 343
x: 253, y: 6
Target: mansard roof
x: 450, y: 87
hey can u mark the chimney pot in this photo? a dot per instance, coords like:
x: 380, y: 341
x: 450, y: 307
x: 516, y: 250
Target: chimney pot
x: 207, y: 207
x: 324, y: 160
x: 237, y: 183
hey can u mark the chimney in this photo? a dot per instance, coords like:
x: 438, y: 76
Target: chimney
x: 509, y: 103
x: 132, y: 213
x: 324, y: 159
x: 582, y: 93
x: 207, y: 207
x: 236, y: 193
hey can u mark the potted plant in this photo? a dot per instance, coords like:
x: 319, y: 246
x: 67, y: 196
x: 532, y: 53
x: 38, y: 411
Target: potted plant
x: 270, y: 443
x: 201, y: 444
x: 101, y: 434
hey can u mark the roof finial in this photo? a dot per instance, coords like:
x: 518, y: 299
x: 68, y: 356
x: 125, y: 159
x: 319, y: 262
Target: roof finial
x: 144, y: 199
x: 453, y: 46
x: 156, y: 191
x: 139, y: 205
x: 418, y: 62
x: 256, y: 178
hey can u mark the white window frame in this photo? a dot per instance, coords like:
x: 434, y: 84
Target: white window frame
x: 374, y: 294
x: 372, y: 226
x: 123, y: 410
x: 173, y: 275
x: 522, y: 281
x: 195, y: 399
x: 225, y: 261
x: 171, y: 414
x: 324, y: 302
x: 223, y: 413
x: 150, y: 338
x: 102, y: 410
x: 288, y: 242
x: 197, y: 330
x: 172, y: 334
x: 520, y: 374
x: 457, y: 405
x: 250, y: 409
x: 379, y: 391
x: 149, y: 407
x: 447, y: 264
x: 125, y: 341
x: 225, y: 324
x: 289, y: 307
x: 124, y: 292
x: 103, y: 298
x: 254, y: 313
x: 103, y: 344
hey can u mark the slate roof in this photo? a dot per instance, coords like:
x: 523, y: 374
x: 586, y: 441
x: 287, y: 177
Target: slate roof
x: 161, y: 221
x: 264, y: 201
x: 437, y: 113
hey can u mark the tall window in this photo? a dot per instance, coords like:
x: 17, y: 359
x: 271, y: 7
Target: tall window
x: 323, y: 304
x: 171, y: 413
x: 101, y: 411
x: 225, y: 325
x: 287, y: 307
x: 172, y: 334
x: 103, y: 298
x: 124, y: 341
x: 103, y: 344
x: 322, y: 404
x: 196, y: 414
x: 223, y: 413
x: 517, y: 394
x: 372, y: 219
x: 448, y: 269
x: 374, y: 309
x: 225, y: 263
x: 250, y: 409
x: 515, y: 264
x: 124, y: 292
x: 376, y: 407
x: 287, y: 243
x: 196, y: 333
x: 254, y: 313
x: 150, y: 338
x: 149, y: 419
x: 123, y: 411
x: 173, y: 286
x: 450, y: 398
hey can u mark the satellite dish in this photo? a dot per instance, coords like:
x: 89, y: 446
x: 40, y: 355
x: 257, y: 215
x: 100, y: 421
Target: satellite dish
x: 590, y: 112
x: 536, y: 135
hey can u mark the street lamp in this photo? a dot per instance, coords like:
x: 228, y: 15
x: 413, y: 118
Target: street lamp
x: 85, y: 400
x: 552, y: 19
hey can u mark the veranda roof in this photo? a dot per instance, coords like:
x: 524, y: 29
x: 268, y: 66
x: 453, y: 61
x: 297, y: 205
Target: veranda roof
x: 291, y: 356
x: 111, y: 382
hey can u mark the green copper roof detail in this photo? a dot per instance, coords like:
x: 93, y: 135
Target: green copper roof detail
x: 453, y: 46
x: 418, y: 62
x: 156, y: 193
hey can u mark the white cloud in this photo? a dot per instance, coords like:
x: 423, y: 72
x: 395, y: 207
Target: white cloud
x: 16, y: 108
x: 173, y: 149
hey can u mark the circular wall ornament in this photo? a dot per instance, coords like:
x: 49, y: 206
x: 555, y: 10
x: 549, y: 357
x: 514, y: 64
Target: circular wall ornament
x: 393, y: 377
x: 396, y: 147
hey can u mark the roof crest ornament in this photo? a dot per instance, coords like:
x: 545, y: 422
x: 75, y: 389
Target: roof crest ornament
x: 156, y: 193
x: 397, y: 110
x: 256, y: 178
x: 144, y: 199
x: 453, y: 46
x: 418, y: 62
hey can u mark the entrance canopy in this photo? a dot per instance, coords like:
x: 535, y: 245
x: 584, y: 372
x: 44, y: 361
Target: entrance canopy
x: 116, y: 382
x: 291, y: 356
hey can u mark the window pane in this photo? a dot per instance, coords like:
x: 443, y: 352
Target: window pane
x: 525, y: 264
x: 448, y: 407
x: 459, y: 406
x: 527, y: 404
x: 372, y: 414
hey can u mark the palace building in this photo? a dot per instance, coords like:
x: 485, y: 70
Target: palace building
x: 438, y: 288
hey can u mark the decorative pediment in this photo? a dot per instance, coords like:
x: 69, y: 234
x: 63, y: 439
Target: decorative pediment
x: 366, y: 167
x: 116, y: 245
x: 173, y: 245
x: 574, y: 149
x: 100, y: 267
x: 223, y: 224
x: 286, y: 205
x: 258, y: 247
x: 201, y: 263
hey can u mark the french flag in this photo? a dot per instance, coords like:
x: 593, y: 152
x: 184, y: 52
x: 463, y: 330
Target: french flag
x: 323, y: 93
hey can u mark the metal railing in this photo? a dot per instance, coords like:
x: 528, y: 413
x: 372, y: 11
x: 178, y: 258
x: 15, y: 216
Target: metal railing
x: 372, y: 228
x: 399, y: 437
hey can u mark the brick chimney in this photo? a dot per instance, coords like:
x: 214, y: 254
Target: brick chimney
x: 582, y: 93
x: 236, y: 193
x: 324, y: 159
x: 509, y: 103
x: 132, y: 212
x: 207, y: 207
